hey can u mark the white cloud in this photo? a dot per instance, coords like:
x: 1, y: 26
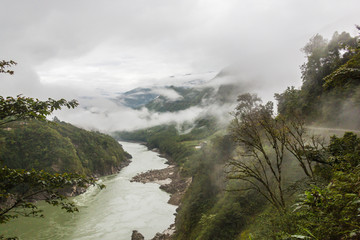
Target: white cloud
x: 170, y: 94
x: 77, y: 48
x: 106, y: 116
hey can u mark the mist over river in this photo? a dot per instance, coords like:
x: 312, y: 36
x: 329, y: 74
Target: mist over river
x: 111, y: 213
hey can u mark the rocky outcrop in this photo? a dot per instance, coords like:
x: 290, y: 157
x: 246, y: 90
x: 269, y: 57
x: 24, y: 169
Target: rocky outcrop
x: 166, y: 235
x: 170, y: 181
x: 157, y: 176
x: 113, y: 169
x: 72, y: 191
x: 137, y: 236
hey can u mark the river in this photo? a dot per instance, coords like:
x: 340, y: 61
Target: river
x: 111, y: 213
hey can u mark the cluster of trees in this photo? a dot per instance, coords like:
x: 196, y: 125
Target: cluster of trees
x: 330, y: 82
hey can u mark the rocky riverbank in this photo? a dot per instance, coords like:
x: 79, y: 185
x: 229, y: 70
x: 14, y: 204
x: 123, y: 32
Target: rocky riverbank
x: 171, y: 182
x: 159, y: 236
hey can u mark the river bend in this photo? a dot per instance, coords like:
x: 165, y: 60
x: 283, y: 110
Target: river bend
x: 111, y: 213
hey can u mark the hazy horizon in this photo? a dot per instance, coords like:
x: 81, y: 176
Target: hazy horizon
x: 73, y: 49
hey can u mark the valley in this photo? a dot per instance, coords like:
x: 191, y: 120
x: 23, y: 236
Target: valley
x: 166, y: 148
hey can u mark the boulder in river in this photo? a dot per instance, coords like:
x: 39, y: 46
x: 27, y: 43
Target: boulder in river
x: 137, y: 236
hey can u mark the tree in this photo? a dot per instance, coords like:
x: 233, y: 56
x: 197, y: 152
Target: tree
x: 5, y: 64
x: 308, y: 150
x: 289, y: 102
x: 263, y: 147
x: 323, y: 57
x: 18, y: 187
x: 264, y: 141
x: 24, y: 108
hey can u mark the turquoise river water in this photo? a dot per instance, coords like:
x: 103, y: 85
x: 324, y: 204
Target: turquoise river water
x: 111, y: 213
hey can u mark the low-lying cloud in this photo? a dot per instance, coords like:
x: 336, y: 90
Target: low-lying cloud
x: 106, y: 116
x: 82, y: 48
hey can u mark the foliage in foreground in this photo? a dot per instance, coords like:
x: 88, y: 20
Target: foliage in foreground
x: 329, y: 209
x: 19, y: 189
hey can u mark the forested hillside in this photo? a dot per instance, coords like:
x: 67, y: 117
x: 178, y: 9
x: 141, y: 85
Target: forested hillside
x: 270, y: 177
x: 330, y: 91
x: 59, y: 147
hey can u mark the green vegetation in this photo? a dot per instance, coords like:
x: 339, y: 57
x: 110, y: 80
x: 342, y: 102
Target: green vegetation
x: 268, y: 177
x: 21, y: 188
x: 330, y: 91
x: 28, y: 144
x: 167, y: 138
x: 329, y: 208
x: 59, y: 147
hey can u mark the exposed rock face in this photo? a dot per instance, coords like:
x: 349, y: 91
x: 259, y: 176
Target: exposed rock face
x: 113, y: 169
x: 137, y: 236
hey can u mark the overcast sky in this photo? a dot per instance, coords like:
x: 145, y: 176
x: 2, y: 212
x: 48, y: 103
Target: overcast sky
x: 75, y: 48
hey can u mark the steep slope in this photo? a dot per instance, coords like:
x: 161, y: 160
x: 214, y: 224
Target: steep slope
x: 60, y: 147
x: 331, y: 84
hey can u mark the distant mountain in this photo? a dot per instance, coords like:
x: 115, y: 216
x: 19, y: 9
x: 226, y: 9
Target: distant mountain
x: 194, y: 92
x: 189, y: 97
x: 136, y: 98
